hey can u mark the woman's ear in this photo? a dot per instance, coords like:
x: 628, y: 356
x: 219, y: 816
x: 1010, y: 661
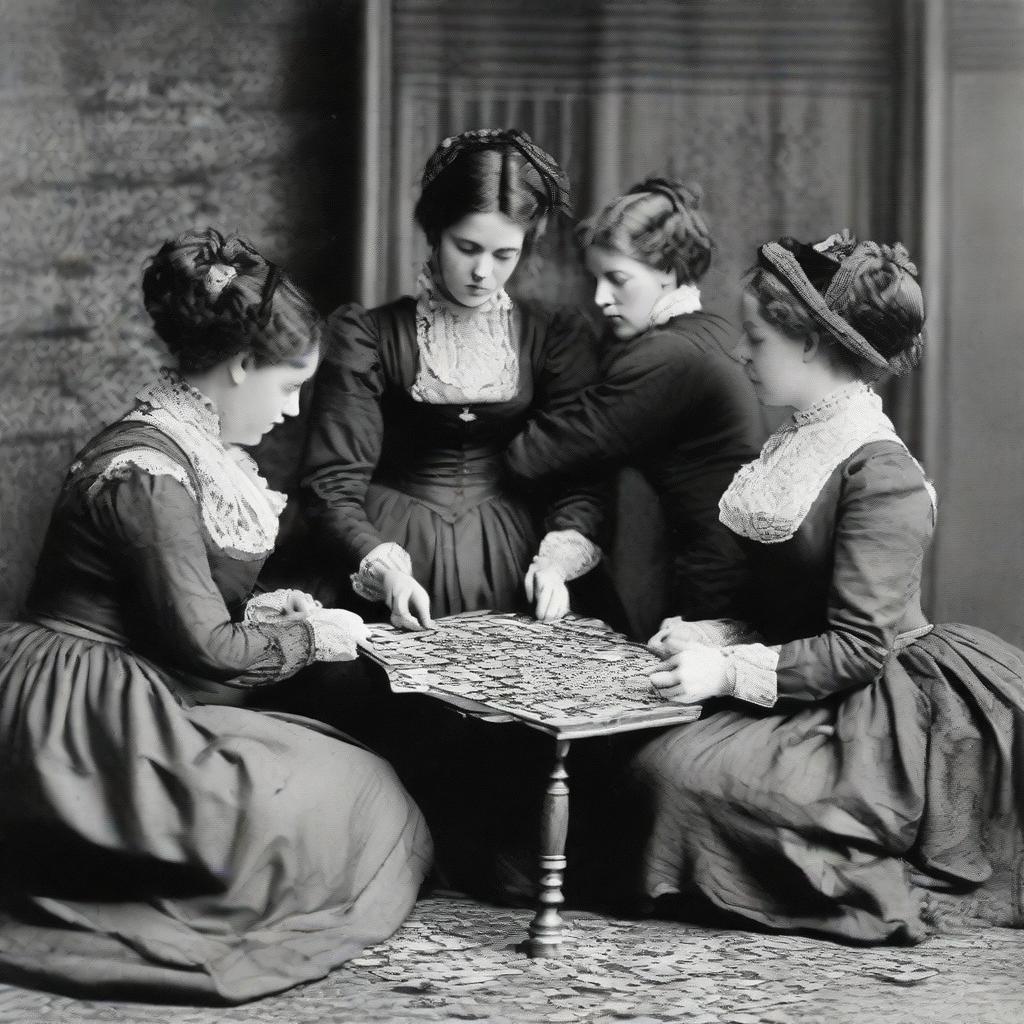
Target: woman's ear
x: 239, y: 366
x: 812, y: 346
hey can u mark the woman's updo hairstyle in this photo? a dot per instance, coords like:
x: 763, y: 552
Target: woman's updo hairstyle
x: 657, y: 223
x: 212, y: 297
x: 489, y: 170
x: 869, y: 290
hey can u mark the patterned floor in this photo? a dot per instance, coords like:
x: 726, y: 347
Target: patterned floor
x: 455, y: 960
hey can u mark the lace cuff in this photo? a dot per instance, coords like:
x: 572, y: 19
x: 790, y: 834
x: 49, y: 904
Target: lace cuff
x: 750, y: 670
x: 266, y: 607
x: 294, y: 642
x: 368, y: 582
x: 337, y: 634
x: 568, y: 552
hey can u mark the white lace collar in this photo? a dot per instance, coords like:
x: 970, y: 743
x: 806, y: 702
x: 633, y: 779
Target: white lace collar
x: 770, y: 497
x: 239, y: 511
x: 678, y: 302
x: 465, y: 354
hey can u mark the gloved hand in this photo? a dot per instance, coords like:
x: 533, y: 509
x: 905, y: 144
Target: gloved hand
x: 408, y: 601
x: 546, y: 590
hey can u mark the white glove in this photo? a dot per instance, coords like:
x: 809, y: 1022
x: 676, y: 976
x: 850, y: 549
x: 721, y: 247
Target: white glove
x: 337, y: 633
x: 676, y: 634
x: 408, y: 601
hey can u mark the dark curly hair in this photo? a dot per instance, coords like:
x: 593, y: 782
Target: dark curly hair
x: 203, y: 321
x: 657, y: 223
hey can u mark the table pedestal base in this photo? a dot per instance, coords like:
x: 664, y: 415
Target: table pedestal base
x: 546, y: 928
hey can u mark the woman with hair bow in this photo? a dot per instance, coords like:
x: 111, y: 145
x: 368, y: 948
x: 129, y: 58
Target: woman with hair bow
x: 158, y: 840
x: 859, y: 776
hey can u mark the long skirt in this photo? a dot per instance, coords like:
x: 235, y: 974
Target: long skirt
x: 198, y: 854
x: 869, y: 817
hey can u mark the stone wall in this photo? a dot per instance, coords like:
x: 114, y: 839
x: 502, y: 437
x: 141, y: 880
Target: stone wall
x: 123, y: 122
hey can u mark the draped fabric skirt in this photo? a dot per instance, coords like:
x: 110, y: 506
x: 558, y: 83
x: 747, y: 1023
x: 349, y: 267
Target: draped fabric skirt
x: 197, y: 854
x: 869, y: 817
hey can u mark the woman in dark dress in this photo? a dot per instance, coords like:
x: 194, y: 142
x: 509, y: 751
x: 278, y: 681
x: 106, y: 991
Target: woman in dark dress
x: 669, y: 401
x: 860, y: 775
x: 158, y: 842
x: 418, y: 398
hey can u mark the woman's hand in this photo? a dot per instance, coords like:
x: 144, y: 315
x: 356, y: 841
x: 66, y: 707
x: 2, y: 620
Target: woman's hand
x: 408, y: 601
x: 297, y: 606
x: 691, y: 676
x: 546, y: 590
x: 675, y: 635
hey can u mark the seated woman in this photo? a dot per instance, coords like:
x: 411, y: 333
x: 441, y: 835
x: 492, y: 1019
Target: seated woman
x: 417, y: 399
x: 670, y: 402
x: 858, y: 779
x: 157, y: 841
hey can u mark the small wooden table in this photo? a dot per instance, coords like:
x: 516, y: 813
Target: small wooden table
x: 572, y: 679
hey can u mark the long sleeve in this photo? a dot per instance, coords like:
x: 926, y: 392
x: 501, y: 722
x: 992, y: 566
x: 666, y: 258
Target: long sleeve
x: 177, y: 613
x: 676, y: 407
x: 570, y: 364
x: 344, y: 442
x: 882, y: 526
x: 604, y: 425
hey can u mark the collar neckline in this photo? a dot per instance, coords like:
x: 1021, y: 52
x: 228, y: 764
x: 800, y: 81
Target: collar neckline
x: 183, y: 401
x: 678, y: 302
x: 834, y: 402
x: 430, y: 290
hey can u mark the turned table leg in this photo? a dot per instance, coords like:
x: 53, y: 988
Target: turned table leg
x: 546, y: 927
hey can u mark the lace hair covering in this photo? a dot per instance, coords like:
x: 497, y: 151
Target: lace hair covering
x: 239, y: 511
x: 465, y: 355
x: 770, y: 497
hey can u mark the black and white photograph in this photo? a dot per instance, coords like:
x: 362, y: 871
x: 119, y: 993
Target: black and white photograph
x: 511, y: 511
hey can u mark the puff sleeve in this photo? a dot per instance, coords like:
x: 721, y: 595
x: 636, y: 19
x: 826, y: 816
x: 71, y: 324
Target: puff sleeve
x: 570, y: 364
x: 345, y: 437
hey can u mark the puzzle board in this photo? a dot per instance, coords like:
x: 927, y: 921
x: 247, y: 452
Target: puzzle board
x: 574, y: 677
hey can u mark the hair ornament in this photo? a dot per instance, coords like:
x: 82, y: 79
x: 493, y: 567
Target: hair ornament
x: 785, y: 263
x: 553, y: 178
x: 261, y: 313
x: 217, y: 277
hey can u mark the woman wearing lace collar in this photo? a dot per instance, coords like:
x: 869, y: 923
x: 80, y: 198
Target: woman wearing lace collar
x: 669, y: 402
x: 857, y: 777
x: 417, y: 399
x: 159, y: 839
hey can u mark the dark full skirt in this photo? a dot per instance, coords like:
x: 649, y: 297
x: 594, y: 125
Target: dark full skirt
x: 868, y: 817
x: 206, y: 853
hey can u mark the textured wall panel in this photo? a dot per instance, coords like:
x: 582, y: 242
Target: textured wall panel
x: 121, y: 124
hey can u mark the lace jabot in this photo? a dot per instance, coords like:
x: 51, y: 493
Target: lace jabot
x: 465, y: 355
x: 678, y: 302
x: 770, y: 497
x: 239, y: 511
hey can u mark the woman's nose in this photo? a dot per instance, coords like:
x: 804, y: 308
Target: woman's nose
x: 483, y: 267
x: 292, y: 405
x: 602, y: 294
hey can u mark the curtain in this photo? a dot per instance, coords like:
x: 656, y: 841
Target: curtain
x: 796, y: 117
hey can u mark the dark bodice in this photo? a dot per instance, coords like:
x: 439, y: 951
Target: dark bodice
x: 838, y: 593
x: 672, y: 404
x: 127, y: 559
x: 365, y: 428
